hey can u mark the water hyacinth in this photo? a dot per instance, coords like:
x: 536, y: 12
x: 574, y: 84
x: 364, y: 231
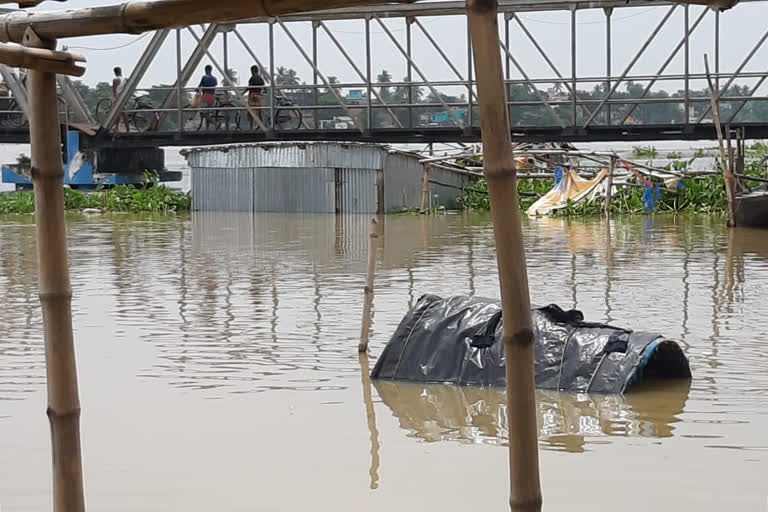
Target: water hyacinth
x: 151, y: 196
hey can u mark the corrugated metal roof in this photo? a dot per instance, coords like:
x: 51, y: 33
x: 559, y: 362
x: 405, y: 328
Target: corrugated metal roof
x: 354, y: 155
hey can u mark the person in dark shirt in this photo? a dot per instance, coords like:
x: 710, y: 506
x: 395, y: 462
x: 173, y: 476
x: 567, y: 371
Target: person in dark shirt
x: 207, y: 88
x: 255, y: 92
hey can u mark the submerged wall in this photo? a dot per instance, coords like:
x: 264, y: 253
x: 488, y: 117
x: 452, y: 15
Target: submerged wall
x: 314, y: 177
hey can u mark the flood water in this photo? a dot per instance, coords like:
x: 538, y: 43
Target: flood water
x: 219, y: 370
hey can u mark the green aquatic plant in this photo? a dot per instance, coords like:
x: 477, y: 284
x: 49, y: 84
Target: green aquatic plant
x: 703, y: 194
x: 149, y: 197
x: 529, y: 190
x: 644, y: 152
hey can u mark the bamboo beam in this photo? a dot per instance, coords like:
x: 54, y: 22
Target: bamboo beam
x: 517, y: 333
x: 55, y: 290
x: 41, y: 59
x: 135, y: 17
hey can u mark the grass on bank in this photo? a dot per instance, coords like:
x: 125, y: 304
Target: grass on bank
x: 149, y: 197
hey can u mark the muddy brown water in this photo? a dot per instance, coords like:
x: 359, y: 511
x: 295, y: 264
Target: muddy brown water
x: 218, y: 366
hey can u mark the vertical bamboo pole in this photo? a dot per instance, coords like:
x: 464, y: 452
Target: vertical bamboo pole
x: 425, y: 189
x: 55, y: 291
x: 727, y: 173
x: 609, y: 187
x: 373, y: 239
x: 517, y: 334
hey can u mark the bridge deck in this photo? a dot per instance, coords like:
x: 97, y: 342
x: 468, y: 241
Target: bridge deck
x: 634, y: 133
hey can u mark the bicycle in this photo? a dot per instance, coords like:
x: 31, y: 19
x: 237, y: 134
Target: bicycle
x: 14, y: 117
x: 286, y: 118
x: 136, y: 108
x: 219, y: 114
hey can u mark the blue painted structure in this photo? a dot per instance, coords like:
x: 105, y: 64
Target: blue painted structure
x: 86, y: 176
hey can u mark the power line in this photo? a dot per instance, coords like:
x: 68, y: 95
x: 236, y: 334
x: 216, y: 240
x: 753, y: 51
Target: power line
x: 110, y: 48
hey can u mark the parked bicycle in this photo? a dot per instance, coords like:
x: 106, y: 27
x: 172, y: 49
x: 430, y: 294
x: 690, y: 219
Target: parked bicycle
x: 227, y: 114
x: 139, y: 111
x: 221, y: 116
x: 13, y: 117
x: 286, y: 118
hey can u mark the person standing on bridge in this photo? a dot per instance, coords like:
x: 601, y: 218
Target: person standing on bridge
x: 207, y: 89
x: 118, y: 84
x: 255, y: 93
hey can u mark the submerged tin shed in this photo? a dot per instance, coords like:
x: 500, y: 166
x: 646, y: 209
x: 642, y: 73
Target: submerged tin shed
x: 313, y: 177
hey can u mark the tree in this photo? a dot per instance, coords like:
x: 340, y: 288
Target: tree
x: 233, y: 75
x: 286, y: 76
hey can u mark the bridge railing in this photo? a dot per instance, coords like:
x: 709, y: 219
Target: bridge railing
x: 424, y: 105
x: 436, y: 104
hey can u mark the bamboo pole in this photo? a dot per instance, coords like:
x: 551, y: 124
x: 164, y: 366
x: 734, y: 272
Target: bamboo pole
x: 517, y: 333
x: 373, y: 240
x: 55, y: 291
x: 42, y: 59
x: 727, y: 172
x: 135, y: 17
x: 425, y: 189
x: 609, y: 187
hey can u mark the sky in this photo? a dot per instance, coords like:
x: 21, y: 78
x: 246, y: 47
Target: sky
x: 741, y: 28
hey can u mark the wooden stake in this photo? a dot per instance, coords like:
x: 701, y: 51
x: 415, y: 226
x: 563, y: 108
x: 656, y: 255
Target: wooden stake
x: 55, y: 291
x: 517, y: 334
x: 609, y: 187
x: 727, y: 173
x: 373, y: 239
x: 425, y: 190
x: 740, y: 185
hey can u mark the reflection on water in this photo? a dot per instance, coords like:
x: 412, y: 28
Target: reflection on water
x: 479, y: 415
x: 251, y: 309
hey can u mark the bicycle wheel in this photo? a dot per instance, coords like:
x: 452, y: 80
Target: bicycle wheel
x: 288, y: 119
x: 102, y: 109
x: 192, y: 118
x: 142, y: 119
x: 228, y: 118
x: 15, y: 118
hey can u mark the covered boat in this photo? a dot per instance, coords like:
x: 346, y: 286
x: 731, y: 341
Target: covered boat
x: 457, y: 340
x: 750, y: 208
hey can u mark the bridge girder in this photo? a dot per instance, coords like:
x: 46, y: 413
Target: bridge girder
x: 582, y: 113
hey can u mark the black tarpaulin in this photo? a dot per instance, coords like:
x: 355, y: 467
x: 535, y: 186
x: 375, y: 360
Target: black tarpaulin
x: 457, y: 340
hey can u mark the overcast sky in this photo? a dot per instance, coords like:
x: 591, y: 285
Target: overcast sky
x: 741, y: 28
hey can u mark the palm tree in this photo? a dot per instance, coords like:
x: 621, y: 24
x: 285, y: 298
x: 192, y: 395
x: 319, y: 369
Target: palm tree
x: 233, y: 75
x: 286, y: 76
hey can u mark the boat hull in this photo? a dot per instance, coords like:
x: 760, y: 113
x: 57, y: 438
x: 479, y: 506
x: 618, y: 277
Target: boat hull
x: 751, y: 209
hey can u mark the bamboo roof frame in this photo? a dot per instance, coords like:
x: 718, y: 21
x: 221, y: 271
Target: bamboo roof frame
x: 135, y: 17
x: 53, y: 61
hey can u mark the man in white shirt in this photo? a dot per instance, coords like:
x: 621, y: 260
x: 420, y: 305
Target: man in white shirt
x: 118, y: 84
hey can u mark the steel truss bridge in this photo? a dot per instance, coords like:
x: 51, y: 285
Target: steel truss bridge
x: 559, y: 105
